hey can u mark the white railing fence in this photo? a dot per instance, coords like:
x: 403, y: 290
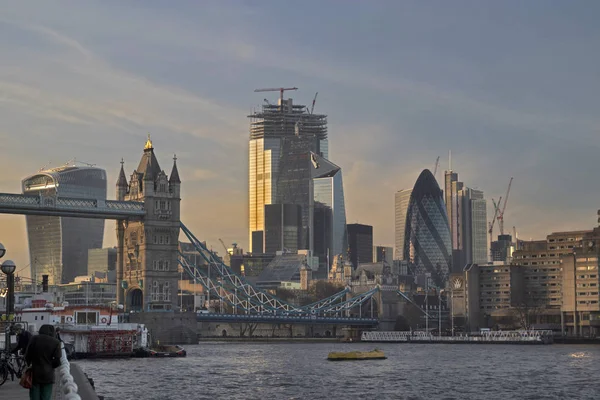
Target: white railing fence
x: 66, y: 388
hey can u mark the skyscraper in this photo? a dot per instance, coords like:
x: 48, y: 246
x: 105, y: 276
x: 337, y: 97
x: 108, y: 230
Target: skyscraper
x: 360, y: 244
x: 281, y: 139
x: 383, y: 253
x: 401, y: 200
x: 427, y: 244
x: 58, y: 246
x: 283, y: 224
x: 328, y: 233
x: 466, y: 209
x: 473, y: 227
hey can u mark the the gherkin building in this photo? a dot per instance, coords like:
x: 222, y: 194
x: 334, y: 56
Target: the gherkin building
x: 427, y: 242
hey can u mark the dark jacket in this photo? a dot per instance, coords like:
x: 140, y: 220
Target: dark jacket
x: 23, y: 339
x: 43, y: 354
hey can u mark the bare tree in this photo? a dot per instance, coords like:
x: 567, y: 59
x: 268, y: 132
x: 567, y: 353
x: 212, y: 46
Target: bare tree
x: 527, y: 311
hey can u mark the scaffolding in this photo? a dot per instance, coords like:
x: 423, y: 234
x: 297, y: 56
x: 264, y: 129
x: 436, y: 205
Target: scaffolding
x: 287, y: 119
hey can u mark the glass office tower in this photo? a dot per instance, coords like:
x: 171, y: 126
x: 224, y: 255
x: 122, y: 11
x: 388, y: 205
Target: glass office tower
x: 329, y: 236
x: 281, y: 138
x: 401, y: 200
x: 58, y: 246
x: 427, y: 242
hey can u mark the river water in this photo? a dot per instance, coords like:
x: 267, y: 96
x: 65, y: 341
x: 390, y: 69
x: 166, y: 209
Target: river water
x: 224, y: 370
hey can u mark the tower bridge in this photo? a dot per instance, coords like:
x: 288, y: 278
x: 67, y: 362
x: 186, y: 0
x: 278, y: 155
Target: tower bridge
x: 147, y: 211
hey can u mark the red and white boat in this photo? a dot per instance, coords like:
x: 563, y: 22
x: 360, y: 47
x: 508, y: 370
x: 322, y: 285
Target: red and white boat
x: 89, y: 331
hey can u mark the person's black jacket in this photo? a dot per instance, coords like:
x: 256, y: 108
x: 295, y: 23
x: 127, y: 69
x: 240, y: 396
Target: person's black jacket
x: 43, y: 354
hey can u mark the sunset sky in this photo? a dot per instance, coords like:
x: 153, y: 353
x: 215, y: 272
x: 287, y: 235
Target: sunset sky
x: 511, y: 87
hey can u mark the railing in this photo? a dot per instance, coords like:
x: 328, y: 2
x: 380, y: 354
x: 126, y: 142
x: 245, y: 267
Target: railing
x: 485, y: 337
x: 51, y: 205
x: 282, y: 318
x: 66, y: 388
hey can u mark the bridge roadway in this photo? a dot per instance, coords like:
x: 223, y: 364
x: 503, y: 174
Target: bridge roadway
x: 70, y: 207
x: 285, y: 319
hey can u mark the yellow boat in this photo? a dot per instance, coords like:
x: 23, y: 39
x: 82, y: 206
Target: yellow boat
x: 356, y: 355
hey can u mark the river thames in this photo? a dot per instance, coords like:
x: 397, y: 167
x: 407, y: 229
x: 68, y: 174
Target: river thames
x: 219, y: 370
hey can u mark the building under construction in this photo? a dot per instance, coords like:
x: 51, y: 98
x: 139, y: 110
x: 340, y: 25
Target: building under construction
x: 282, y: 136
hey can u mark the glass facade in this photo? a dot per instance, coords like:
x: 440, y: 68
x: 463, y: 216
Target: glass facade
x: 102, y: 260
x: 282, y: 227
x: 58, y: 246
x: 264, y: 165
x: 472, y: 228
x: 427, y: 242
x: 401, y: 200
x: 330, y: 237
x: 89, y: 293
x: 281, y: 138
x: 360, y: 244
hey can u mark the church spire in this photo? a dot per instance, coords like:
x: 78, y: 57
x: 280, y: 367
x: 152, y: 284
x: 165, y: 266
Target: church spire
x: 174, y: 178
x: 122, y: 181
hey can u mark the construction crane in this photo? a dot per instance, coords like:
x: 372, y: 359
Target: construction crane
x: 226, y: 258
x: 312, y: 108
x: 501, y: 213
x: 491, y: 230
x: 280, y: 90
x: 437, y: 164
x: 496, y: 208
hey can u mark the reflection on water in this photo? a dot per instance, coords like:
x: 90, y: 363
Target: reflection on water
x: 580, y: 354
x: 301, y: 371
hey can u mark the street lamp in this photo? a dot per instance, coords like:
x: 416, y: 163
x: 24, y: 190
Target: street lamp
x: 440, y: 313
x: 8, y: 267
x: 2, y: 250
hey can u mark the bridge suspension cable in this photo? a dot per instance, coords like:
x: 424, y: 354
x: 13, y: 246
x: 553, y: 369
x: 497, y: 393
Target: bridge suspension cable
x: 239, y: 293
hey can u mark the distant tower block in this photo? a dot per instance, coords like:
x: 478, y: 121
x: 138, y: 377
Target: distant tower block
x: 147, y: 250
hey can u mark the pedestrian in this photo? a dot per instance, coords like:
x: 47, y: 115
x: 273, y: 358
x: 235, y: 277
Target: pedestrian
x: 23, y: 338
x: 43, y: 354
x: 58, y: 334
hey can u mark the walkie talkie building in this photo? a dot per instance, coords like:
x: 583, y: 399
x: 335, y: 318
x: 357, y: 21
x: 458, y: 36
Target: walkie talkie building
x: 58, y: 246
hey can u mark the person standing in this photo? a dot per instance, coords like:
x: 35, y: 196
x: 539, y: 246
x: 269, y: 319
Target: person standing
x: 23, y: 338
x: 43, y: 354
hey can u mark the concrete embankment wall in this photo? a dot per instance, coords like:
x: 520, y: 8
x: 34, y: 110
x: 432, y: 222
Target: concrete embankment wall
x: 224, y: 329
x: 169, y: 328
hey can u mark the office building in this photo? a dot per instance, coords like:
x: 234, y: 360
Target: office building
x: 427, y: 244
x: 283, y: 227
x: 383, y: 253
x: 401, y: 200
x: 472, y: 229
x: 102, y: 260
x: 551, y: 284
x: 281, y: 139
x: 360, y: 244
x: 502, y: 249
x: 58, y: 246
x: 328, y: 235
x: 451, y: 187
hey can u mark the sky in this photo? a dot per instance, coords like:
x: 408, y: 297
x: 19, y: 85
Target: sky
x: 510, y: 87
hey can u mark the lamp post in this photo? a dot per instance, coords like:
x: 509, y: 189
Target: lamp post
x: 8, y: 268
x: 452, y: 309
x: 440, y: 313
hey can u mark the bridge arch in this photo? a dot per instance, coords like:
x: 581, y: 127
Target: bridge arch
x: 135, y: 299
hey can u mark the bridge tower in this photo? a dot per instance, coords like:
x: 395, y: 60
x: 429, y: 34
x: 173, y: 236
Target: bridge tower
x: 147, y: 269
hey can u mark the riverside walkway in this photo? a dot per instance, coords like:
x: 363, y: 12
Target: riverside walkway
x: 11, y: 390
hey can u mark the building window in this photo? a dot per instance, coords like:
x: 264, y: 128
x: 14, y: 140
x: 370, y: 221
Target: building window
x: 155, y: 240
x: 160, y: 239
